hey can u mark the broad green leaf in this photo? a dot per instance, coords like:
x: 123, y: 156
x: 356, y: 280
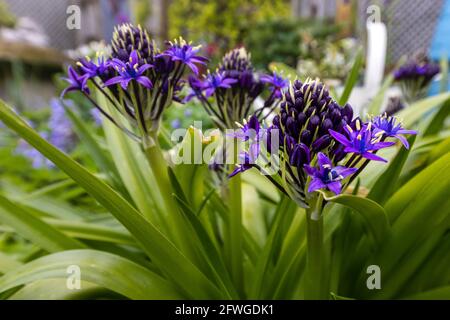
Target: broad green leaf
x: 438, y: 151
x: 442, y: 293
x: 8, y: 263
x: 283, y: 217
x: 373, y: 214
x: 438, y: 121
x: 352, y: 78
x: 417, y: 187
x: 418, y: 110
x: 210, y: 252
x: 106, y: 270
x: 162, y: 252
x: 34, y: 229
x: 89, y: 231
x: 95, y: 151
x: 133, y: 169
x: 56, y: 289
x: 385, y: 186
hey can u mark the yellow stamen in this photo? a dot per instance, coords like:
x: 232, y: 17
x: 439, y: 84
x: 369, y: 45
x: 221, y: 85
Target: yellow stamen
x: 349, y: 129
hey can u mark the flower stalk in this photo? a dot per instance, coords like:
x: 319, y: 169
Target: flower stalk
x: 316, y: 286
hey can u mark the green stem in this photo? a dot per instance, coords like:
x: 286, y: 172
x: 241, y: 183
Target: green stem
x: 158, y: 165
x: 316, y: 287
x: 233, y: 236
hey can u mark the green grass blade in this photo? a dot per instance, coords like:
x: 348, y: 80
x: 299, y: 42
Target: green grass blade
x: 34, y: 229
x: 110, y: 271
x: 386, y: 184
x: 162, y: 252
x: 89, y: 231
x: 373, y: 214
x: 418, y: 110
x: 352, y: 78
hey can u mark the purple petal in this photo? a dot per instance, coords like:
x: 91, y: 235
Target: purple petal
x: 144, y: 68
x: 316, y: 184
x: 114, y: 80
x: 334, y: 187
x: 403, y: 140
x: 235, y: 172
x: 145, y: 82
x: 134, y: 58
x: 193, y: 67
x: 373, y: 157
x: 382, y: 145
x: 323, y: 160
x: 340, y: 138
x: 344, y: 171
x: 403, y: 131
x: 310, y: 170
x: 124, y: 83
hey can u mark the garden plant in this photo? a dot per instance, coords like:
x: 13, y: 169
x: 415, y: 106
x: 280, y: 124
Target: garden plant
x: 292, y: 195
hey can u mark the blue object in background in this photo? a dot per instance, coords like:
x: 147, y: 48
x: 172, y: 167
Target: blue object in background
x: 440, y: 45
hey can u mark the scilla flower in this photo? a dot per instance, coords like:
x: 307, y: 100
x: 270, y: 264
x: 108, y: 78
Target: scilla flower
x: 326, y: 176
x: 138, y: 80
x: 131, y: 70
x: 310, y: 136
x: 229, y: 93
x: 415, y: 76
x: 386, y: 127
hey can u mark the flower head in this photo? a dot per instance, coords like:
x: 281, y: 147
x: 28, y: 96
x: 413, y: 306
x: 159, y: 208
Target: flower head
x: 416, y: 75
x: 237, y: 60
x: 129, y: 71
x: 326, y: 176
x: 128, y: 38
x: 76, y: 82
x: 391, y: 127
x: 236, y: 86
x: 186, y: 54
x: 216, y: 81
x: 276, y: 83
x: 93, y: 68
x: 361, y: 141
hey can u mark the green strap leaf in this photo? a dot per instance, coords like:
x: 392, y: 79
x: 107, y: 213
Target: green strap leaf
x: 386, y: 184
x: 373, y: 214
x: 417, y: 110
x: 104, y: 269
x: 163, y: 252
x: 35, y: 229
x: 352, y: 77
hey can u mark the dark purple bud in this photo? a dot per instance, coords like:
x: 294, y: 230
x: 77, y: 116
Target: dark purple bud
x: 301, y: 119
x: 300, y: 156
x: 336, y: 116
x: 276, y: 121
x: 321, y: 143
x: 347, y: 111
x: 298, y: 84
x: 290, y: 143
x: 327, y: 124
x: 306, y: 137
x: 313, y: 123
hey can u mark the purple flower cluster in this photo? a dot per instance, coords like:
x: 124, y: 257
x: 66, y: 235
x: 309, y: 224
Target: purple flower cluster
x: 314, y: 134
x: 415, y: 76
x: 235, y: 86
x: 139, y: 80
x: 413, y: 70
